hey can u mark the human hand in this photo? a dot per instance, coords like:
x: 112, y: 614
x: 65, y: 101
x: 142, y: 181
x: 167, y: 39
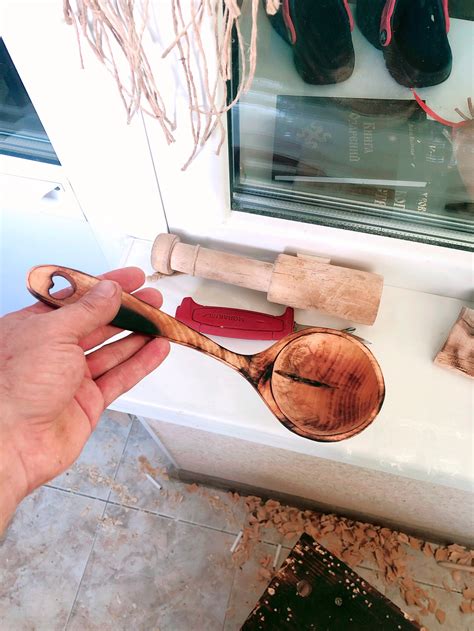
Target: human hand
x: 52, y: 393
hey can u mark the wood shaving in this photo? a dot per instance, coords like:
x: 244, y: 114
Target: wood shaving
x: 446, y: 585
x: 431, y: 605
x: 264, y: 575
x: 465, y: 606
x: 440, y: 616
x: 156, y: 472
x: 468, y: 593
x: 415, y: 543
x: 266, y: 561
x: 234, y: 497
x: 409, y: 598
x: 441, y: 554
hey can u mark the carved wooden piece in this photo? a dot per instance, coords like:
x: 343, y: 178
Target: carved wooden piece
x: 340, y: 291
x: 222, y: 266
x: 302, y: 281
x: 314, y: 590
x: 458, y: 350
x: 321, y: 383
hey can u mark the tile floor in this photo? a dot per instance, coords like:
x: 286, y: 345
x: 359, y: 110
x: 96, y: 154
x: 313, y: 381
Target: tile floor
x: 101, y: 547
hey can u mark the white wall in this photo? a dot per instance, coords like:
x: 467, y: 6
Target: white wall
x: 28, y: 239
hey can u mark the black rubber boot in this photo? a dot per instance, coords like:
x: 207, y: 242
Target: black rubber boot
x: 413, y: 37
x: 319, y: 31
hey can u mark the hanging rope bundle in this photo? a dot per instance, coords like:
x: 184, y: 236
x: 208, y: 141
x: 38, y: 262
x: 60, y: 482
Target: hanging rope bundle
x: 115, y: 30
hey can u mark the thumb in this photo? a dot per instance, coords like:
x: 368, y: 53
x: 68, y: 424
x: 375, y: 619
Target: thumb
x: 97, y: 307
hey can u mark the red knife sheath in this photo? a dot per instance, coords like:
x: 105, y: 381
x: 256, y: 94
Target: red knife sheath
x: 239, y: 323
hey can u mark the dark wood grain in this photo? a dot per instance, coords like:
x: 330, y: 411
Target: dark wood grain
x: 457, y: 352
x: 315, y: 591
x: 321, y: 383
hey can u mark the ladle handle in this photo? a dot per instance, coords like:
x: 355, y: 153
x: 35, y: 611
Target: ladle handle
x: 133, y: 315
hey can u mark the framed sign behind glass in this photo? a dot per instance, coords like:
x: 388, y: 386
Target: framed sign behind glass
x: 331, y: 133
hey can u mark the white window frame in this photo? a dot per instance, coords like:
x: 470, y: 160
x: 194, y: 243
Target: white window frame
x: 122, y: 196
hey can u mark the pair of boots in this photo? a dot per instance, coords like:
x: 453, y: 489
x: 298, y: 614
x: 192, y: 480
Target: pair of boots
x: 411, y: 33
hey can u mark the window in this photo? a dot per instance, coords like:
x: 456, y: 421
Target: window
x: 327, y: 135
x: 21, y: 133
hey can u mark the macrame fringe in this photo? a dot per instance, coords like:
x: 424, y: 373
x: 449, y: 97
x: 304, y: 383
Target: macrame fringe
x: 104, y: 24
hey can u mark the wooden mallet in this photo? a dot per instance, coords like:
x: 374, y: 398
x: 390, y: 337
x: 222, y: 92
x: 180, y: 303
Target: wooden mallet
x: 302, y: 282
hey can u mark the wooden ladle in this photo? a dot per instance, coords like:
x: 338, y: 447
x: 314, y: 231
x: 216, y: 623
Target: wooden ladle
x: 321, y: 383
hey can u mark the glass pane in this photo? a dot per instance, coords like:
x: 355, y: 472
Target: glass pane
x: 21, y: 133
x: 331, y: 133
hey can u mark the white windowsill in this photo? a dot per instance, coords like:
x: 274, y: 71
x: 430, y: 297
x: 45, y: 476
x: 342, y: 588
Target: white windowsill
x: 423, y: 432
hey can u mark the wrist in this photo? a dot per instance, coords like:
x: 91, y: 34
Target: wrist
x: 12, y: 487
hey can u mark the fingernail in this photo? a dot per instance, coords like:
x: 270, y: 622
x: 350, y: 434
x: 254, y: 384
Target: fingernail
x: 105, y: 289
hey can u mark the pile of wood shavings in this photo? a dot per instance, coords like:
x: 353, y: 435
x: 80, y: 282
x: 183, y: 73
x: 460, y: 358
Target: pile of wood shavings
x: 355, y: 542
x: 110, y: 523
x: 99, y: 479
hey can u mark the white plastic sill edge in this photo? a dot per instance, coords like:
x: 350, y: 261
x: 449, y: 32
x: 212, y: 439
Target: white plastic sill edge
x: 423, y: 432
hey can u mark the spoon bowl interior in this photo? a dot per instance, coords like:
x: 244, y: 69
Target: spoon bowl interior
x: 326, y: 385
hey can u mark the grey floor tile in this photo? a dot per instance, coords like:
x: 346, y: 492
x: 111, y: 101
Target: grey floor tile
x: 373, y: 577
x: 249, y: 585
x: 93, y: 472
x: 269, y: 534
x: 42, y: 559
x: 447, y: 602
x: 148, y: 572
x: 198, y: 505
x: 422, y: 568
x: 425, y: 569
